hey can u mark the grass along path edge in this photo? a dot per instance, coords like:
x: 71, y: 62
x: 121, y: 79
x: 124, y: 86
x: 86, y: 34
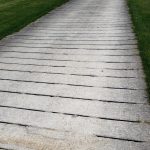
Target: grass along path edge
x: 16, y: 14
x: 140, y: 12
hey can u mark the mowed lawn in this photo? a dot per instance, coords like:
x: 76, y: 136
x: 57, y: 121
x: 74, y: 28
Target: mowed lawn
x: 15, y: 14
x: 140, y: 11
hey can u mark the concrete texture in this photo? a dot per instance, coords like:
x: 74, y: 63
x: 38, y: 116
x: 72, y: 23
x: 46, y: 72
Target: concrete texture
x: 73, y: 80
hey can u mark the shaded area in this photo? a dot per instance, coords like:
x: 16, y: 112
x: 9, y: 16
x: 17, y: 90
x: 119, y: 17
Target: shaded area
x: 15, y: 14
x: 141, y: 17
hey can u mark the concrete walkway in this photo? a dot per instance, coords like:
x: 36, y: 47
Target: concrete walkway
x: 73, y: 80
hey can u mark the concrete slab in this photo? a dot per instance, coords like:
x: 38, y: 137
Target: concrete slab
x: 73, y: 80
x: 96, y: 109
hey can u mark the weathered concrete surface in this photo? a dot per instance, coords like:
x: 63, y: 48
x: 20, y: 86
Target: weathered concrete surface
x: 73, y: 80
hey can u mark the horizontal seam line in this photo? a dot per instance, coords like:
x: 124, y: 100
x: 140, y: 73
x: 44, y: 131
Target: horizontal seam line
x: 124, y: 69
x: 5, y: 148
x: 72, y: 36
x: 69, y: 48
x: 44, y: 95
x: 69, y: 84
x: 122, y: 139
x: 114, y: 138
x: 61, y: 44
x: 67, y: 54
x: 70, y: 114
x: 88, y: 75
x: 69, y: 60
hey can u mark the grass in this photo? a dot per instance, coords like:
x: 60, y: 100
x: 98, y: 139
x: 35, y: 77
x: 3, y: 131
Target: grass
x: 16, y: 14
x: 140, y: 11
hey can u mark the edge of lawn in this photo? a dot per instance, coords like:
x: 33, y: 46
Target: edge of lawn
x: 140, y: 14
x: 33, y: 18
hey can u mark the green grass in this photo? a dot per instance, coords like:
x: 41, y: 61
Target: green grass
x: 140, y: 11
x: 15, y: 14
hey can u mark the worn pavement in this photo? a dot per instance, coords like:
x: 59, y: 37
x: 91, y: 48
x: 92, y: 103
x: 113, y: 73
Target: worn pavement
x: 73, y: 80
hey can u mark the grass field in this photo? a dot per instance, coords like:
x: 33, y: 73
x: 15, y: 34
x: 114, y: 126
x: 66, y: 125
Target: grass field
x: 140, y: 11
x: 15, y: 14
